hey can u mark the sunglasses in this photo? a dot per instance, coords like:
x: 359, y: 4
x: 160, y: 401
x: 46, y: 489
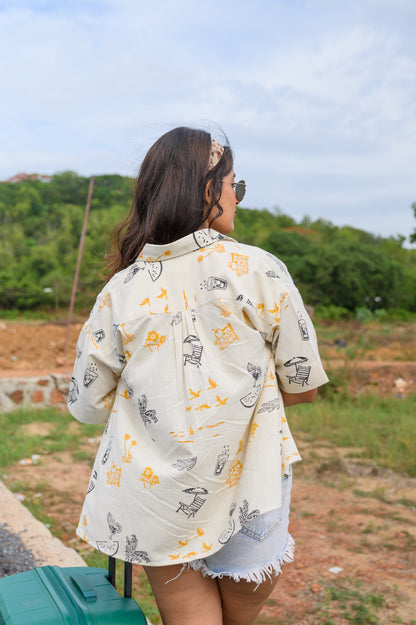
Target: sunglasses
x: 239, y: 189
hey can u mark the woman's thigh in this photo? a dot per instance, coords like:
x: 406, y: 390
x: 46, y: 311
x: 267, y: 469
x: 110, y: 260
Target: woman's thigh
x: 242, y: 601
x: 184, y: 596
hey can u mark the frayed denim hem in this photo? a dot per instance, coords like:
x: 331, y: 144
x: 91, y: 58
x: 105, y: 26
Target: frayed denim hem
x: 257, y: 575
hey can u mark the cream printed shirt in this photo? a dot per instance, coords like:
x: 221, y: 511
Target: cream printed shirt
x: 183, y: 357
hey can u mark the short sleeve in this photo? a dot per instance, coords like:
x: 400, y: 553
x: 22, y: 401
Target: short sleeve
x: 100, y: 360
x: 294, y: 343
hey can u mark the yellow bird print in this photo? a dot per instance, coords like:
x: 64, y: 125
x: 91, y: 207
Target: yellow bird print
x: 174, y: 557
x: 183, y: 543
x: 221, y: 402
x: 207, y: 547
x: 212, y: 384
x: 199, y: 532
x: 194, y: 394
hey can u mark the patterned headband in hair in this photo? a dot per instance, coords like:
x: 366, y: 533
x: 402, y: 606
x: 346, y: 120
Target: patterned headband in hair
x: 217, y: 150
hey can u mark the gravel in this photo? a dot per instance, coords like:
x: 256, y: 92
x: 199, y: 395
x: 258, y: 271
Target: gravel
x: 14, y: 557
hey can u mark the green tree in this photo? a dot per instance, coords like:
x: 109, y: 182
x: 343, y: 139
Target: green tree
x: 413, y: 235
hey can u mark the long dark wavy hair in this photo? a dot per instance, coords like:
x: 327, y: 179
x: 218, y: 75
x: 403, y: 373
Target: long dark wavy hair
x: 169, y: 197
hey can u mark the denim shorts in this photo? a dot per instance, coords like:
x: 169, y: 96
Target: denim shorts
x: 258, y: 550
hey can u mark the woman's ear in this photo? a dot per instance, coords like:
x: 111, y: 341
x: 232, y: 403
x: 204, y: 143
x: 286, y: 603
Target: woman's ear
x: 208, y: 194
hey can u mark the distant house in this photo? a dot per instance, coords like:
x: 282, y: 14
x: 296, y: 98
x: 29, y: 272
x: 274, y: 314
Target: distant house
x: 21, y: 177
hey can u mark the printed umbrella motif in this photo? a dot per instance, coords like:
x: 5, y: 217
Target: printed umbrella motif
x: 296, y: 360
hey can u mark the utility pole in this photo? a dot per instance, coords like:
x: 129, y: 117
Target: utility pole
x: 80, y: 248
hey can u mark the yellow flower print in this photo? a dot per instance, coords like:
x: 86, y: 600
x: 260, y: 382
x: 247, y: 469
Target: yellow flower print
x: 148, y: 478
x: 154, y: 340
x: 127, y: 456
x: 114, y: 476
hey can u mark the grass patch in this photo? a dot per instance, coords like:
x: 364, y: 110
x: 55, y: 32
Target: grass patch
x: 385, y: 428
x: 59, y: 436
x: 345, y: 599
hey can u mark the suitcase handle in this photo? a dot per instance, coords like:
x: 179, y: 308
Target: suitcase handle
x: 128, y: 572
x: 86, y: 589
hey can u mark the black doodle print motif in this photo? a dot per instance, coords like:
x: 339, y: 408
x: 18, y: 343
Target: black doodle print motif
x: 246, y: 300
x: 132, y: 555
x: 213, y: 283
x: 245, y: 515
x: 269, y: 406
x: 222, y: 460
x: 191, y: 509
x: 302, y: 371
x: 107, y: 452
x: 155, y: 270
x: 279, y: 263
x: 185, y: 465
x: 73, y: 391
x: 132, y: 272
x: 193, y: 358
x: 99, y: 335
x: 148, y: 416
x: 226, y: 535
x: 303, y: 327
x: 176, y: 319
x: 255, y: 371
x: 272, y: 274
x: 90, y: 375
x: 251, y: 398
x: 120, y: 357
x: 110, y: 546
x: 91, y: 485
x: 202, y: 239
x: 79, y: 352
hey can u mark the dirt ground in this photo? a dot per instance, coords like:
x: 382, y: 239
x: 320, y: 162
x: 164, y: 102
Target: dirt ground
x: 354, y: 524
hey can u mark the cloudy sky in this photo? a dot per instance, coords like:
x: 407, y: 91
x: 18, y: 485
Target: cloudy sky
x: 317, y: 97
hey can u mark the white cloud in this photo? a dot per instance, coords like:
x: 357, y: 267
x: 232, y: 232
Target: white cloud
x: 313, y: 90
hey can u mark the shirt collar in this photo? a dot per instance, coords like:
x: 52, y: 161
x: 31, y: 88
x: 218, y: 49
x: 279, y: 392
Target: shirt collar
x: 195, y: 241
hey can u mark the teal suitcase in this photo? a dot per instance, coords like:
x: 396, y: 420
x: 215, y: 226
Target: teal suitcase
x: 50, y: 595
